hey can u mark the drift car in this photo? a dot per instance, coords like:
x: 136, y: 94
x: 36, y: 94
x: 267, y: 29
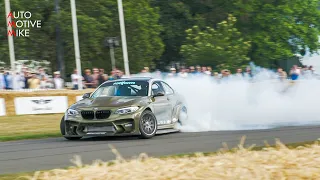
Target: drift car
x: 132, y: 106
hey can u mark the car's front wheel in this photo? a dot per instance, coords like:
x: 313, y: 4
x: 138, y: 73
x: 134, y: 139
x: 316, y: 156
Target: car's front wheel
x: 148, y: 124
x: 63, y: 130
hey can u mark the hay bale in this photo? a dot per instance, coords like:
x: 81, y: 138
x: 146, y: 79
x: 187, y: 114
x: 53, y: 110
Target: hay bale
x: 10, y: 95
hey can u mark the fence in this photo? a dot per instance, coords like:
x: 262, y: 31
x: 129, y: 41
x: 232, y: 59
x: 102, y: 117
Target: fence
x: 37, y: 101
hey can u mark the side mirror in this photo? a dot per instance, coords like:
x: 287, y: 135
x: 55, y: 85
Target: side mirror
x: 158, y: 94
x: 86, y: 95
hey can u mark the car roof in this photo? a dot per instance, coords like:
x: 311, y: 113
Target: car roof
x: 133, y: 79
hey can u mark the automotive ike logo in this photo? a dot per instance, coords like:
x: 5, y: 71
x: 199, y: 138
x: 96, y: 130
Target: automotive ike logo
x: 21, y: 21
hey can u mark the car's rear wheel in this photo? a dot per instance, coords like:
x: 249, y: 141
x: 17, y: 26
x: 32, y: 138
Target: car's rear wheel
x: 147, y: 125
x: 63, y: 130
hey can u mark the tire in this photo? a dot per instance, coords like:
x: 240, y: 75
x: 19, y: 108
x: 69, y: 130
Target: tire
x: 147, y: 125
x: 183, y: 115
x: 63, y: 130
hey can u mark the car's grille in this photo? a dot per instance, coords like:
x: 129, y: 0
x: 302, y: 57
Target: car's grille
x: 87, y: 114
x: 103, y: 114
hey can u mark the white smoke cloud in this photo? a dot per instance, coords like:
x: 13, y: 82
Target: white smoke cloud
x: 240, y: 104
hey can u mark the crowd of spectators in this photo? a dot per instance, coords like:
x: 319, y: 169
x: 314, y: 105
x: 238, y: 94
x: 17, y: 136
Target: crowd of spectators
x: 27, y: 79
x: 39, y: 79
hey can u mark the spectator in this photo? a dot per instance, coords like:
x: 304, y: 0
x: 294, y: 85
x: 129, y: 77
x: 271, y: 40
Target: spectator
x: 113, y: 72
x: 198, y: 69
x: 145, y: 72
x: 203, y: 69
x: 17, y: 81
x: 192, y: 70
x: 295, y: 72
x: 58, y: 82
x: 225, y: 75
x: 95, y: 76
x: 282, y: 75
x: 311, y: 69
x: 248, y: 74
x: 118, y: 74
x: 27, y: 76
x: 2, y: 82
x: 74, y: 78
x: 208, y: 71
x: 8, y: 80
x: 88, y: 79
x: 239, y: 74
x: 183, y: 73
x: 102, y: 77
x: 33, y: 81
x: 43, y: 77
x: 173, y: 72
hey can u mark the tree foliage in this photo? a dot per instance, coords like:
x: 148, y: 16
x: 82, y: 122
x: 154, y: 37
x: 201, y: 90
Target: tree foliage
x: 156, y: 31
x: 222, y: 47
x: 279, y: 29
x: 96, y: 21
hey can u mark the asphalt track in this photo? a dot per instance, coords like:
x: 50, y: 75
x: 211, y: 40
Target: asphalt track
x: 32, y: 155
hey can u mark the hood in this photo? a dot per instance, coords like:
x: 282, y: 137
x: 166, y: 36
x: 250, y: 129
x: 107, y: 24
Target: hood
x: 113, y: 101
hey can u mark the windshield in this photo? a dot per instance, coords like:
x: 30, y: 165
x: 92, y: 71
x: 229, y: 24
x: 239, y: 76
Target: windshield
x: 122, y: 88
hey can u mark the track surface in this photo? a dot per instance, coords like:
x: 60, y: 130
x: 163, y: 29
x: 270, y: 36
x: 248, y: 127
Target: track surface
x: 32, y: 155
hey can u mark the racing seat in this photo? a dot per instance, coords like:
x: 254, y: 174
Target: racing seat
x: 156, y: 91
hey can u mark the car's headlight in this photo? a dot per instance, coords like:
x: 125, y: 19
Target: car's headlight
x: 126, y: 110
x: 72, y: 112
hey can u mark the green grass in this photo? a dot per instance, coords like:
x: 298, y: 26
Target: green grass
x: 29, y: 136
x: 290, y: 146
x: 29, y: 127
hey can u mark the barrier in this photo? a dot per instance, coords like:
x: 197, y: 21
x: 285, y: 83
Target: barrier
x: 41, y: 105
x: 2, y: 107
x: 20, y: 102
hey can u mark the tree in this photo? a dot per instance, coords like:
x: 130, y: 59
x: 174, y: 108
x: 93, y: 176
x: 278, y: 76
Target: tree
x: 222, y: 47
x: 278, y: 29
x: 175, y: 18
x: 96, y: 20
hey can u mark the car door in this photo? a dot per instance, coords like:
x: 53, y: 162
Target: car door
x: 161, y: 104
x: 169, y: 92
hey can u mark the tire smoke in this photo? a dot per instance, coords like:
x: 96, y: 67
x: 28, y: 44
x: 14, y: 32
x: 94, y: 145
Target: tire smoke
x: 240, y: 104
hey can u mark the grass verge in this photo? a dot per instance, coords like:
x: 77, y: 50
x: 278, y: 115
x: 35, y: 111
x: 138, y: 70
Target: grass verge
x: 296, y: 160
x: 29, y: 127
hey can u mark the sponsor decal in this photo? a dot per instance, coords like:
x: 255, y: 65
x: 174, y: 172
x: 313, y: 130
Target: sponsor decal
x: 42, y: 101
x: 164, y: 122
x: 41, y: 105
x: 124, y: 82
x: 128, y: 125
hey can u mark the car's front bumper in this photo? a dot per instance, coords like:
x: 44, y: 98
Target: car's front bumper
x: 115, y: 125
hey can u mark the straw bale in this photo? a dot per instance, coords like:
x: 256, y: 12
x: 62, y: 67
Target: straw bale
x: 10, y: 95
x: 269, y: 163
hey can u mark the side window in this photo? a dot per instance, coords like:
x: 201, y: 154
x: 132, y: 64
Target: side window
x: 167, y: 88
x: 156, y: 88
